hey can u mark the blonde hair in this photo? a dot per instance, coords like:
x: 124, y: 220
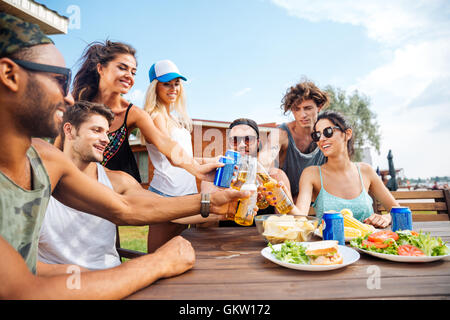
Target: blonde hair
x: 154, y: 106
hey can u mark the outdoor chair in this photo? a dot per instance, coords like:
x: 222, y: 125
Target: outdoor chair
x: 126, y: 253
x: 429, y: 205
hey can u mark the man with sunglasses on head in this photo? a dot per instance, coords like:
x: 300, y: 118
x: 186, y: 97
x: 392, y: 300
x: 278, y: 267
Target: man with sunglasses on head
x: 292, y: 148
x: 33, y: 95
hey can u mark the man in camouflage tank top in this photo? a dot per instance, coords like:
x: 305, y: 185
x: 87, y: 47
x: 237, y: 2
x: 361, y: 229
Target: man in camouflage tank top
x: 33, y: 91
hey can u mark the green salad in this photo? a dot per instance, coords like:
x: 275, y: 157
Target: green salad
x: 404, y: 243
x: 291, y: 252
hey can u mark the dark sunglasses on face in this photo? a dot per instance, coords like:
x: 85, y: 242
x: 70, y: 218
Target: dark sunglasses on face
x: 33, y: 66
x: 327, y: 132
x: 236, y: 140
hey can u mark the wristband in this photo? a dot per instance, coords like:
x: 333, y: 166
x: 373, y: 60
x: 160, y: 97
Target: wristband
x: 205, y: 202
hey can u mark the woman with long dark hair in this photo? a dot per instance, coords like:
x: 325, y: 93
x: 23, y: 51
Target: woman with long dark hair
x: 340, y: 183
x: 107, y: 73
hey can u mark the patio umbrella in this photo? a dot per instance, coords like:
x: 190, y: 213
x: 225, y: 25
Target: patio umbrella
x: 392, y: 184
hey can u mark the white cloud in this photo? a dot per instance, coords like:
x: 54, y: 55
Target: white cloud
x: 386, y: 21
x: 413, y: 68
x: 242, y: 92
x: 408, y: 92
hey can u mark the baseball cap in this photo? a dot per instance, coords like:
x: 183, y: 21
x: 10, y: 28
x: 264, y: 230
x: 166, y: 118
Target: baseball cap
x: 16, y: 34
x: 164, y: 71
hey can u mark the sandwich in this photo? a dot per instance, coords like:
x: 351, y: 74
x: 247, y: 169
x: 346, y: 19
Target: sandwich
x: 324, y: 253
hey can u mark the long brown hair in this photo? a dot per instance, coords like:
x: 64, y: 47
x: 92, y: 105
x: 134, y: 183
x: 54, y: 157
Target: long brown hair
x: 86, y: 81
x: 339, y: 120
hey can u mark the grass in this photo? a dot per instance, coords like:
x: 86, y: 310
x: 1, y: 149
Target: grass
x: 133, y: 238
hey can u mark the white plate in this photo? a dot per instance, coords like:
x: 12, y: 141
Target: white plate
x: 393, y: 257
x: 349, y: 255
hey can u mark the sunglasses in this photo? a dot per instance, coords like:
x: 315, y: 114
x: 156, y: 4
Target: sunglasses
x: 236, y: 140
x: 66, y: 72
x: 327, y: 132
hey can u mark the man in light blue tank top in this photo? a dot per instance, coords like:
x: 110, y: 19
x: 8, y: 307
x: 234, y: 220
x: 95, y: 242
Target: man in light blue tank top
x: 294, y: 149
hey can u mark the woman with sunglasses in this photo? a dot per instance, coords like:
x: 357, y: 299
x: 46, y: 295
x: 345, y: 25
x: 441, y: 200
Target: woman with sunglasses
x: 107, y: 73
x: 341, y: 183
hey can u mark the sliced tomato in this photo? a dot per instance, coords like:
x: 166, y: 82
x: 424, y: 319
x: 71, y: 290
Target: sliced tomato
x: 409, y: 250
x: 382, y: 236
x: 413, y: 233
x: 378, y: 245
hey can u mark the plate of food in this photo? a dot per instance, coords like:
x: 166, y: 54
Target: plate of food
x: 402, y: 246
x: 310, y: 256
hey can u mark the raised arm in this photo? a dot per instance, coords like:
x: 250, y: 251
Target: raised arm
x: 170, y: 148
x: 306, y: 189
x: 78, y: 191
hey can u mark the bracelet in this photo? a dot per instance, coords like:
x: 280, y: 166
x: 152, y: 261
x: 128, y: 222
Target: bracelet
x: 205, y: 202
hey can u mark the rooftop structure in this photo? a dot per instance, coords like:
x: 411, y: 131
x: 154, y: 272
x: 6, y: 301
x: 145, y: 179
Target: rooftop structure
x: 50, y: 21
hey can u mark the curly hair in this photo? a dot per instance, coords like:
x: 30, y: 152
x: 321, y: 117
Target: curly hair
x: 305, y: 90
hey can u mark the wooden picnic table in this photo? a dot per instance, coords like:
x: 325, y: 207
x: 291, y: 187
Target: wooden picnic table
x: 229, y: 266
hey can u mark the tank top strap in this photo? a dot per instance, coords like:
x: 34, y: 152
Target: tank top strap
x: 102, y: 177
x: 285, y: 127
x: 360, y: 176
x: 321, y: 180
x: 126, y: 114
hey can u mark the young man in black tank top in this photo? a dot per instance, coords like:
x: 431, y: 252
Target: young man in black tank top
x: 291, y: 147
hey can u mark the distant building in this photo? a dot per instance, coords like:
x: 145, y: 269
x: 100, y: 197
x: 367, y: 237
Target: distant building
x: 50, y: 21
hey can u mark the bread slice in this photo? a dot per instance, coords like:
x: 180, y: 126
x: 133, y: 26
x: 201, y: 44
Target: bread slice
x: 319, y: 248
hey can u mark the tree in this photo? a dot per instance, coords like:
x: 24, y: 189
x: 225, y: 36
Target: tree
x: 355, y: 108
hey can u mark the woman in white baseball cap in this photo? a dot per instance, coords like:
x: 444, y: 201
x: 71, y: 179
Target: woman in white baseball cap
x: 166, y: 103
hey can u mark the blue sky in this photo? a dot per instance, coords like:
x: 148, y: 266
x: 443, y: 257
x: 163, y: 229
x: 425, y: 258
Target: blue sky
x: 240, y: 56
